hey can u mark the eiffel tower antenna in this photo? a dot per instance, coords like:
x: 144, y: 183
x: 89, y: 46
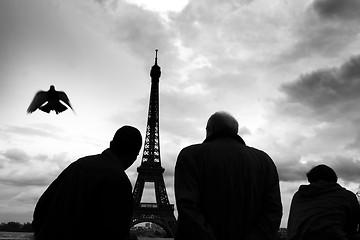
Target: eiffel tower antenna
x: 150, y: 170
x: 156, y: 51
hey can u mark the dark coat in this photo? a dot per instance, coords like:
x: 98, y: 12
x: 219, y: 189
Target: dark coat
x: 90, y: 199
x: 225, y: 190
x: 323, y: 211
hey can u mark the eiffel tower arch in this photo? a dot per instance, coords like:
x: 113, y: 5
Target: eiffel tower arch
x: 150, y: 170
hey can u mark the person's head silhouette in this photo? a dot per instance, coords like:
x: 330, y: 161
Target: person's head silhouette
x: 221, y: 122
x: 126, y: 144
x: 322, y: 172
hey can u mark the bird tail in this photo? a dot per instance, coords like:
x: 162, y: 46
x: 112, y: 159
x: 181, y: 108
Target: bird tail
x: 59, y: 107
x: 46, y: 108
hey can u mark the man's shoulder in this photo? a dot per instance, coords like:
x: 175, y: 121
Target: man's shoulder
x: 191, y: 148
x: 89, y: 157
x: 96, y: 161
x: 211, y: 145
x: 348, y: 193
x: 258, y: 155
x: 100, y: 165
x: 258, y: 151
x: 86, y: 159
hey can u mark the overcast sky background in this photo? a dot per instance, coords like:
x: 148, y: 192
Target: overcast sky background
x: 289, y: 71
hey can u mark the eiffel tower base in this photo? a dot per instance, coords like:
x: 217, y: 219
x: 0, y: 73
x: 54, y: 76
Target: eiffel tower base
x: 151, y: 212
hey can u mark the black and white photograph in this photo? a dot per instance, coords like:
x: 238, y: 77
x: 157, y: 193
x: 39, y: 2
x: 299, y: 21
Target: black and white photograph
x: 180, y: 119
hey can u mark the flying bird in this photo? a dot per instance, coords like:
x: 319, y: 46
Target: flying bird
x: 52, y: 99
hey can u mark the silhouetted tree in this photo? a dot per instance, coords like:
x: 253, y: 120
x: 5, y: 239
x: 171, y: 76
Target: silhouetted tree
x: 16, y: 227
x: 26, y: 227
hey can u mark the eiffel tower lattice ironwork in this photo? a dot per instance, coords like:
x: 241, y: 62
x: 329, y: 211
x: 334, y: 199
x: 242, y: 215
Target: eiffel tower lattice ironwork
x: 150, y: 170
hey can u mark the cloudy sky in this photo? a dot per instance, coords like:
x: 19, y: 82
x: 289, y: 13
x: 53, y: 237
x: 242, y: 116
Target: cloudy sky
x: 289, y: 71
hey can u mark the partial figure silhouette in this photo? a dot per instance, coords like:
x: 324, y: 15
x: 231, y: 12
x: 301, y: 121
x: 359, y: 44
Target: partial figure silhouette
x: 92, y: 198
x: 225, y: 189
x: 53, y: 98
x: 323, y: 210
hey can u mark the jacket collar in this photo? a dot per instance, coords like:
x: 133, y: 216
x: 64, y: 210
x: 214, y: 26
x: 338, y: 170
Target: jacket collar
x: 110, y: 154
x: 113, y: 157
x: 224, y: 135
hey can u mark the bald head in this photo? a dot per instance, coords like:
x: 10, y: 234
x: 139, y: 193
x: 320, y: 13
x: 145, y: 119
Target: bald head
x: 126, y: 145
x: 221, y: 122
x: 127, y: 139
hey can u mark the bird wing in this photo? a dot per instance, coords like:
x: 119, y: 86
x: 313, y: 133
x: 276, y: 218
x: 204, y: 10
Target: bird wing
x: 40, y: 98
x: 63, y: 97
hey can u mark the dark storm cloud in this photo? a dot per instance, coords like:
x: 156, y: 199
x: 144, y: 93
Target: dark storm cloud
x: 326, y: 29
x: 331, y: 93
x: 346, y: 168
x: 325, y: 104
x: 344, y: 9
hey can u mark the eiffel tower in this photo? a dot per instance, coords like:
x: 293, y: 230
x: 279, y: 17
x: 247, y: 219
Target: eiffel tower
x: 150, y: 170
